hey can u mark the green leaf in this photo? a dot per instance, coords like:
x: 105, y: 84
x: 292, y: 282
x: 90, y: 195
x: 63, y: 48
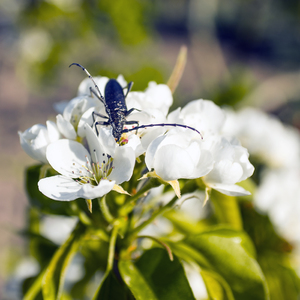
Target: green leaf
x: 113, y: 289
x: 273, y: 254
x: 230, y: 253
x: 95, y: 254
x: 155, y: 277
x: 226, y: 210
x: 217, y: 287
x: 186, y: 225
x: 135, y: 281
x: 282, y: 279
x: 41, y: 248
x: 54, y: 278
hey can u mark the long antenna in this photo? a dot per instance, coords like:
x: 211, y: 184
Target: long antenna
x: 90, y: 76
x: 161, y: 125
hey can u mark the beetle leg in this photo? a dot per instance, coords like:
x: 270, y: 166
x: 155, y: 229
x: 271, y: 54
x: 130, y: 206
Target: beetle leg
x: 130, y: 111
x: 132, y: 122
x: 101, y: 98
x: 100, y: 123
x: 129, y: 86
x: 98, y: 115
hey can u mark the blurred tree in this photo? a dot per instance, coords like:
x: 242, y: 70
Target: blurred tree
x: 55, y: 33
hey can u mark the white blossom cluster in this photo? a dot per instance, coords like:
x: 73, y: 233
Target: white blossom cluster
x: 277, y: 147
x: 90, y: 165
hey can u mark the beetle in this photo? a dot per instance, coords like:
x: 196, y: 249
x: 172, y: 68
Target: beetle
x: 116, y: 109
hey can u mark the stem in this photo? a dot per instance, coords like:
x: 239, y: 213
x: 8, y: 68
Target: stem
x: 187, y: 187
x: 159, y: 242
x: 81, y: 214
x: 112, y: 245
x: 154, y: 215
x: 43, y: 170
x: 35, y: 288
x: 105, y: 211
x: 131, y: 203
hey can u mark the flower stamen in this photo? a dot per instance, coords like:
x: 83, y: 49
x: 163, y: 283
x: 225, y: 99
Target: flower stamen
x: 94, y: 172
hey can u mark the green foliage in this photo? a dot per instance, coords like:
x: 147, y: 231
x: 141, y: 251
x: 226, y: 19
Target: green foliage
x: 95, y: 252
x: 272, y: 254
x: 227, y: 260
x: 232, y: 91
x: 236, y: 250
x: 73, y: 32
x: 113, y: 289
x: 54, y: 277
x: 128, y: 23
x: 282, y: 280
x: 161, y: 279
x: 226, y: 210
x: 233, y: 266
x: 231, y: 255
x: 217, y: 287
x: 218, y: 245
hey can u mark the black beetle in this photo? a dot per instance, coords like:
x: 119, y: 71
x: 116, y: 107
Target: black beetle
x: 116, y: 109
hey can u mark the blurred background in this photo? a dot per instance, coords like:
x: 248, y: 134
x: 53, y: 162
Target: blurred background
x: 240, y: 53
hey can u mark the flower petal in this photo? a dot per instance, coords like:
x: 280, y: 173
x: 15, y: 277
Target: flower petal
x: 74, y: 104
x: 203, y: 115
x: 86, y: 118
x: 34, y: 142
x: 225, y: 171
x: 107, y: 140
x: 65, y: 127
x: 88, y: 191
x: 151, y: 150
x: 86, y: 84
x: 59, y: 188
x: 134, y: 142
x: 123, y: 164
x: 68, y: 158
x: 122, y: 81
x: 172, y: 162
x: 204, y: 165
x: 53, y: 132
x: 95, y: 146
x: 159, y: 95
x: 229, y: 189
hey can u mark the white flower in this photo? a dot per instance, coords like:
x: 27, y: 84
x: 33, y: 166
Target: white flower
x: 86, y: 174
x: 178, y: 154
x: 35, y: 140
x: 265, y: 137
x: 231, y: 166
x: 203, y: 115
x: 69, y: 123
x: 279, y: 195
x: 148, y: 116
x: 156, y: 96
